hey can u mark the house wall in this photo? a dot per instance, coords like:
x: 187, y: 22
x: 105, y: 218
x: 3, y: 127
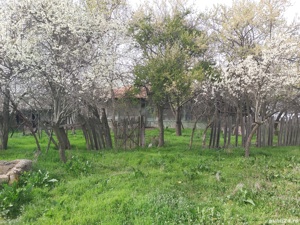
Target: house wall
x: 141, y: 107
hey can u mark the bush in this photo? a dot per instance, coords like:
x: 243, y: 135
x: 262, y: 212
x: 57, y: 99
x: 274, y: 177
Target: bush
x: 14, y: 196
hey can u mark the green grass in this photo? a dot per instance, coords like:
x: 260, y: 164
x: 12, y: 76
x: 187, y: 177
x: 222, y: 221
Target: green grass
x: 169, y: 185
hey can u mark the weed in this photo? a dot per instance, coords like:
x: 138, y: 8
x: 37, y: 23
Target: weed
x: 37, y: 179
x: 78, y: 166
x: 243, y: 196
x: 12, y: 198
x: 210, y: 215
x: 138, y: 173
x: 195, y: 172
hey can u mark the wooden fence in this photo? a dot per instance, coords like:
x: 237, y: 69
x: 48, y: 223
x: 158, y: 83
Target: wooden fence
x: 96, y: 131
x: 233, y: 131
x: 129, y: 132
x: 289, y: 133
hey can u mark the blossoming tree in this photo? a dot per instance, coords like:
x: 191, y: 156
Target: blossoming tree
x: 266, y: 79
x: 58, y: 43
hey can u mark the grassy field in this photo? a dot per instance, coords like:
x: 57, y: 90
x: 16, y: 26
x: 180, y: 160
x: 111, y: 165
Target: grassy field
x: 169, y: 185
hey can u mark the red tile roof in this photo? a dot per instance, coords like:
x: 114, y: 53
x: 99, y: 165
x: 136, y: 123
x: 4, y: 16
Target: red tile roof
x: 121, y: 92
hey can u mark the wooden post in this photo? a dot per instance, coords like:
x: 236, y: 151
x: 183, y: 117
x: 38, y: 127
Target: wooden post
x: 142, y: 132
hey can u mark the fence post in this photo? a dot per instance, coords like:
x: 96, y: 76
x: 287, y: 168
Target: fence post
x: 142, y: 132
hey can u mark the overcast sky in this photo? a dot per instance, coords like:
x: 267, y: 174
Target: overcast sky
x: 203, y: 4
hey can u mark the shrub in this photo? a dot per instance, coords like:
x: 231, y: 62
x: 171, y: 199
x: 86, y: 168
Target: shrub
x: 14, y: 196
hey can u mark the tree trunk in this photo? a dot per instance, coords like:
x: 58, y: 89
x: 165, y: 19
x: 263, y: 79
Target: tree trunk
x: 248, y: 142
x: 5, y: 119
x: 225, y: 133
x: 38, y: 152
x: 108, y: 140
x: 160, y: 121
x: 30, y: 126
x: 229, y: 132
x: 49, y: 142
x: 243, y: 130
x: 113, y: 116
x: 277, y: 120
x: 205, y: 132
x: 178, y: 114
x: 61, y: 136
x: 193, y: 132
x: 237, y: 128
x: 65, y: 138
x: 211, y: 138
x: 218, y: 129
x: 50, y: 136
x: 28, y: 123
x: 113, y: 103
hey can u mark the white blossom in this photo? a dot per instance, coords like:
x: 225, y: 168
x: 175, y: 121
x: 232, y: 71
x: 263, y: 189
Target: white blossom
x: 266, y: 77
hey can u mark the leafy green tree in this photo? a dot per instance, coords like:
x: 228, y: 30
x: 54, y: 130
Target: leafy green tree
x: 172, y: 48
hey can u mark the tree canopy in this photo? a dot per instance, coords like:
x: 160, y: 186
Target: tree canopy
x: 68, y: 56
x: 172, y: 51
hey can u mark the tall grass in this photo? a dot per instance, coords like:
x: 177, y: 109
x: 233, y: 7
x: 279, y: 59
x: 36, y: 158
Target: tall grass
x: 169, y: 185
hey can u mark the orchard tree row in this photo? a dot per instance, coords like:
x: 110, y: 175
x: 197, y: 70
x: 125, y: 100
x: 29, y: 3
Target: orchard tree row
x: 69, y: 56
